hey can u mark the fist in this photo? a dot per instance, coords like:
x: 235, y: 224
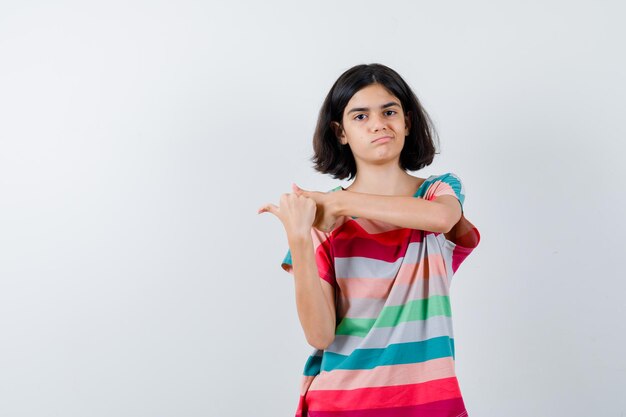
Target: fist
x: 296, y: 213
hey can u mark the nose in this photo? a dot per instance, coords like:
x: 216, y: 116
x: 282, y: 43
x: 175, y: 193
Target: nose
x: 377, y: 122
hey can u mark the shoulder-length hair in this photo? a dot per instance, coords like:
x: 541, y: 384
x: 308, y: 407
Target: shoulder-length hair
x: 331, y: 157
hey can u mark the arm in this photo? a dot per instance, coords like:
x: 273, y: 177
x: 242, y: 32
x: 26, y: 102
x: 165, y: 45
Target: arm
x: 439, y: 215
x: 315, y: 298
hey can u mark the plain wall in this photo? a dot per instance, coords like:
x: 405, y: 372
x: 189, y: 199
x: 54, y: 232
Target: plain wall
x: 138, y: 139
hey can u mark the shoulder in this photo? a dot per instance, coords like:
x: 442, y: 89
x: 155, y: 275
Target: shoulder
x: 451, y: 179
x: 448, y: 183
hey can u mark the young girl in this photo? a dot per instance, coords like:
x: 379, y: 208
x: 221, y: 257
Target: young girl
x: 373, y: 262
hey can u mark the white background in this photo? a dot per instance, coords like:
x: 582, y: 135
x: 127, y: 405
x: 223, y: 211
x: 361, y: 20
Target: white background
x: 138, y: 139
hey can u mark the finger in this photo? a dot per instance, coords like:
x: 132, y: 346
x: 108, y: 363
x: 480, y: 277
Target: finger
x: 271, y: 208
x: 299, y: 190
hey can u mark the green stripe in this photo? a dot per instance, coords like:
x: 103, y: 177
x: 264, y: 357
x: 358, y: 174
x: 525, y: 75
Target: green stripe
x: 436, y: 305
x: 354, y: 327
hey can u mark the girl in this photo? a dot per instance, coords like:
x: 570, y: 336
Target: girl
x: 373, y: 262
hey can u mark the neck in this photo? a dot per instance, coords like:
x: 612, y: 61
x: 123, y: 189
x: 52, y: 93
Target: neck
x: 383, y: 180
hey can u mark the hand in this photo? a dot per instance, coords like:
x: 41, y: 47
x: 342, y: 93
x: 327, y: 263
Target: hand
x: 325, y: 215
x: 296, y: 212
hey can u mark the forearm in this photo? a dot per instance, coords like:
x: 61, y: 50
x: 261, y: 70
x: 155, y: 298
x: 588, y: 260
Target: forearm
x: 410, y: 212
x: 316, y: 316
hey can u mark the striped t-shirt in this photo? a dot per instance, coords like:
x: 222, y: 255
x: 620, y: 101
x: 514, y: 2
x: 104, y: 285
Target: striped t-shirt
x: 393, y: 352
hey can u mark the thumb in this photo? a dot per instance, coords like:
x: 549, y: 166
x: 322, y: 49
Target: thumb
x: 271, y: 208
x: 298, y: 190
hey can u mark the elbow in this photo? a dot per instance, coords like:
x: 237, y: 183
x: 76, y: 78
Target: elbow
x: 320, y: 345
x: 445, y: 227
x: 447, y: 222
x: 320, y: 341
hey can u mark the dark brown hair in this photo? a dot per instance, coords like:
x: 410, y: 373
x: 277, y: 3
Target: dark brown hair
x: 331, y: 157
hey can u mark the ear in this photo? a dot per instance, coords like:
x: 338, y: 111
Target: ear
x: 407, y: 122
x: 339, y: 133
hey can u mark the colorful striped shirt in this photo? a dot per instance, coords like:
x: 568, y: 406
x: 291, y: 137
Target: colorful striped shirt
x: 393, y: 351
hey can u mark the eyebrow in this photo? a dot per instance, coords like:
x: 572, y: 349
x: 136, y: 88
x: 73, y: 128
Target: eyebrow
x: 384, y: 106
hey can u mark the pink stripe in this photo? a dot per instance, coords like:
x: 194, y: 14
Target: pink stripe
x: 432, y: 266
x: 384, y: 375
x: 365, y: 287
x: 305, y: 383
x: 409, y: 274
x: 439, y: 188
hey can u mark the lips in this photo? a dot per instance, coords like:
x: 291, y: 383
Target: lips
x: 382, y: 139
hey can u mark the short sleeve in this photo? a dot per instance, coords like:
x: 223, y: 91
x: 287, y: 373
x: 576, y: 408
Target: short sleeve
x: 464, y: 236
x: 323, y: 257
x: 446, y: 184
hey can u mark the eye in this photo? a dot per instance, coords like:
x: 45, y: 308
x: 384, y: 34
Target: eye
x: 357, y: 117
x: 392, y: 112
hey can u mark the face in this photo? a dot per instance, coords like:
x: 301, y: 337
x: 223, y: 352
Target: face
x: 374, y: 126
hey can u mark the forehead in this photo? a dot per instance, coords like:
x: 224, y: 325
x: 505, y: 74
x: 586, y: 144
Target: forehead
x: 372, y: 95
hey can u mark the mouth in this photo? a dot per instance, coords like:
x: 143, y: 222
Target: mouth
x: 382, y: 139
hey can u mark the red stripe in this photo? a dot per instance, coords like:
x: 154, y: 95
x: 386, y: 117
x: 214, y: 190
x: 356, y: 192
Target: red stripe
x: 464, y: 246
x: 325, y: 262
x: 446, y: 408
x: 300, y: 411
x: 383, y: 397
x: 352, y: 240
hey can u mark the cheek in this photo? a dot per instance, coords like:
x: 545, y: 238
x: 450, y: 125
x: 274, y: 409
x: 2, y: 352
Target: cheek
x: 402, y: 143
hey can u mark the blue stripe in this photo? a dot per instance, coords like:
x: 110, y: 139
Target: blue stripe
x: 396, y: 354
x: 287, y: 259
x: 313, y: 366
